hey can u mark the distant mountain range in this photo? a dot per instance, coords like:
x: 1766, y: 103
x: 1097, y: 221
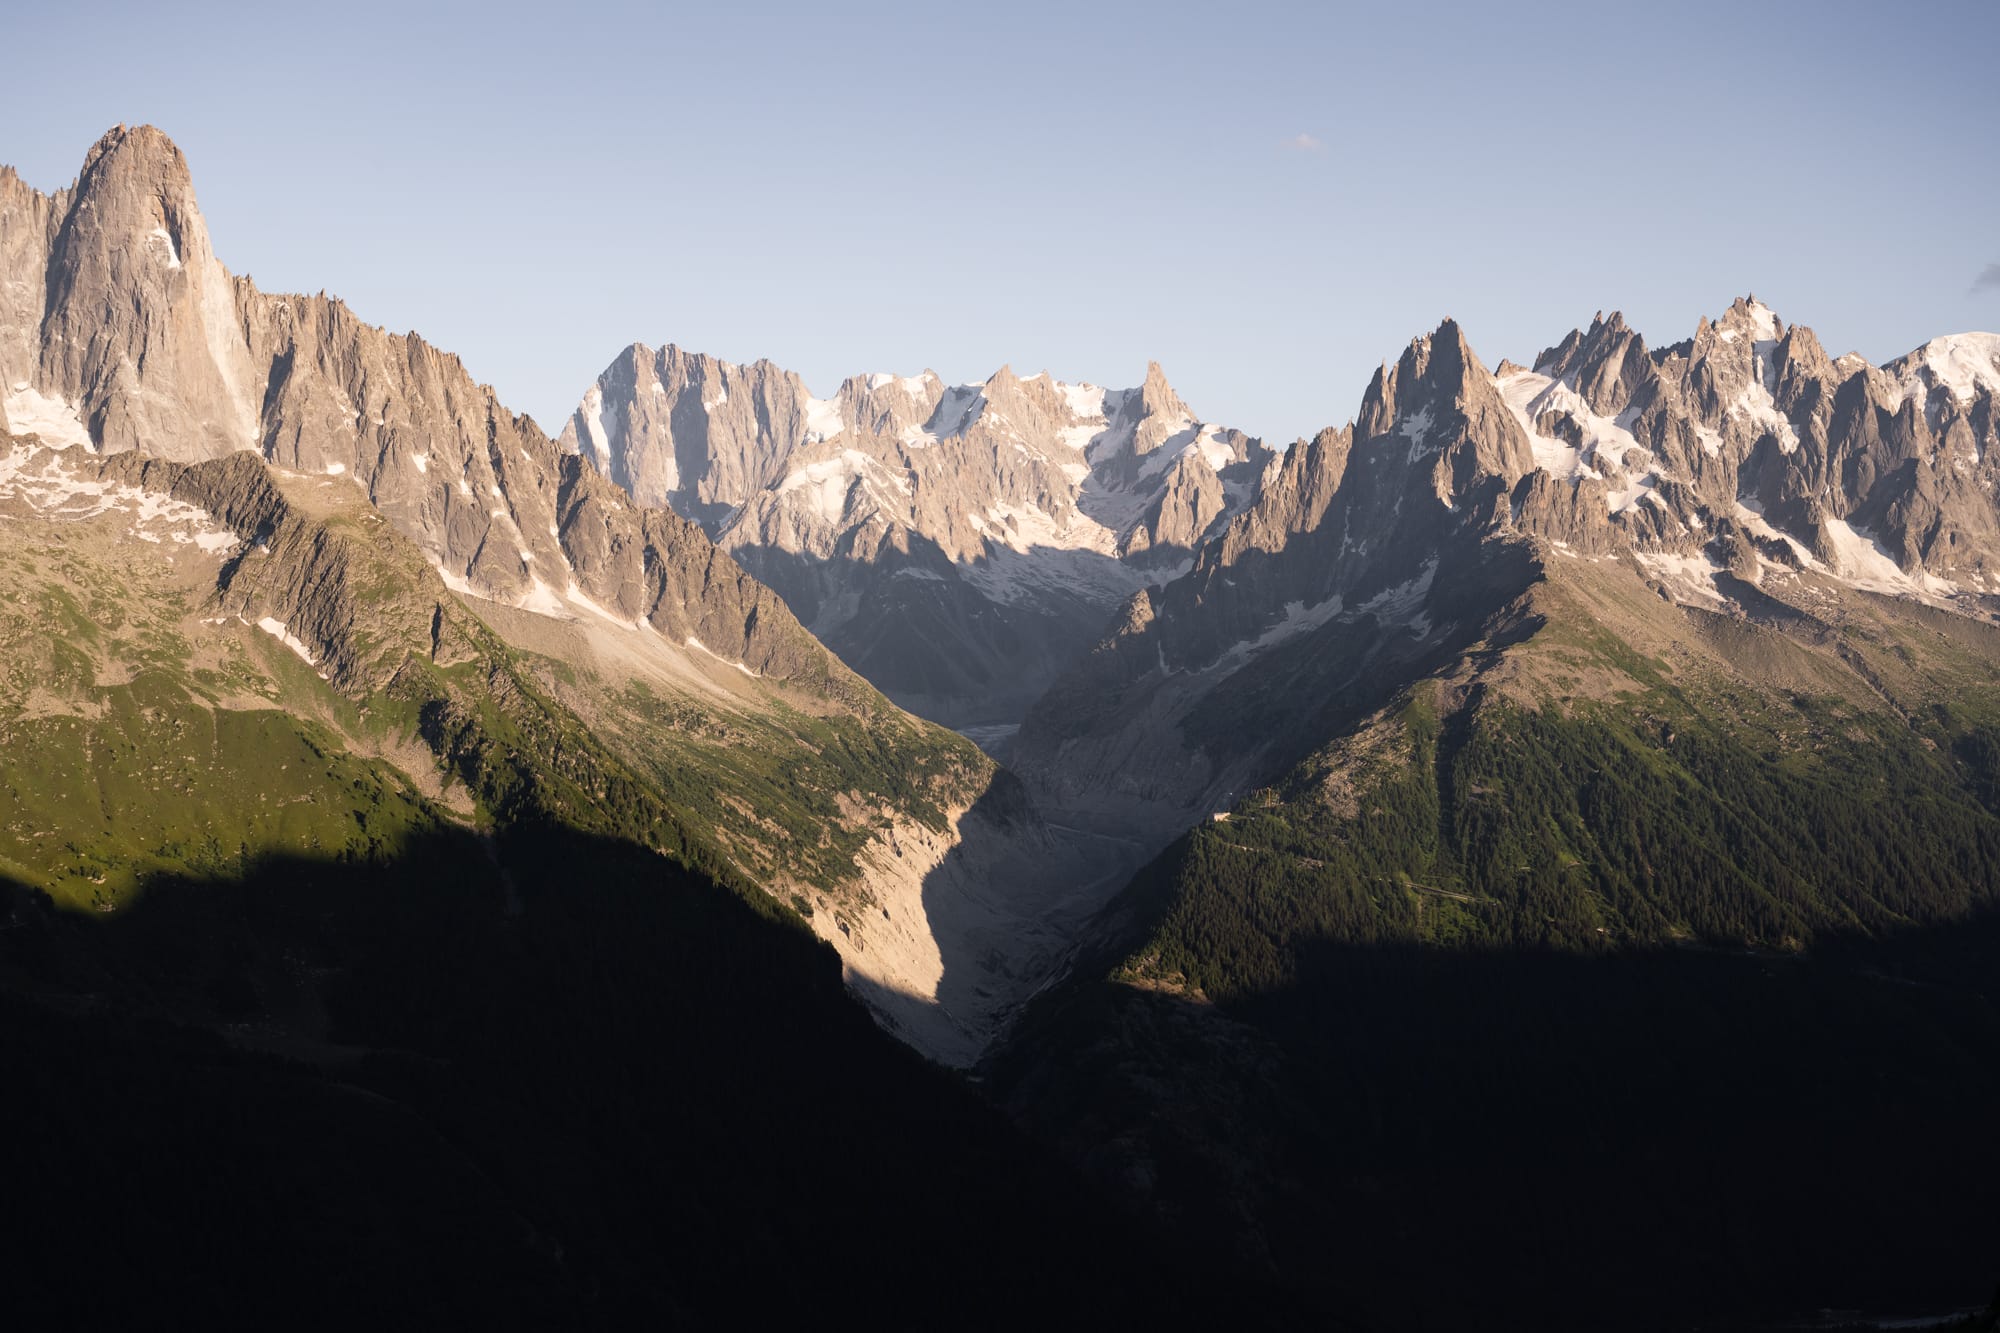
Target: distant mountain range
x: 959, y: 546
x: 1545, y: 830
x: 1122, y: 576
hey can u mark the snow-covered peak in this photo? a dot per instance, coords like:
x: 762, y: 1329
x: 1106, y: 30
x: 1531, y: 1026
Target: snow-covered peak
x: 1960, y: 363
x: 823, y: 419
x: 1086, y: 401
x: 1750, y: 319
x: 1069, y: 475
x: 1605, y: 447
x: 914, y: 385
x: 1763, y: 321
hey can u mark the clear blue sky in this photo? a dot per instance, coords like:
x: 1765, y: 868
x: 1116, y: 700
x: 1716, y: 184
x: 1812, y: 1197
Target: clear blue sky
x: 1267, y: 198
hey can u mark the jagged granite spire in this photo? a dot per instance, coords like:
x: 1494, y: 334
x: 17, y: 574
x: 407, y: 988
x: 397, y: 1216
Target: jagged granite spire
x: 143, y: 329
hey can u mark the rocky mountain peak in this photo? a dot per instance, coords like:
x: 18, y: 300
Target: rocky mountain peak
x: 1800, y: 360
x: 955, y: 542
x: 141, y: 331
x: 1607, y: 365
x: 1954, y: 369
x: 1379, y: 401
x: 1158, y: 402
x: 897, y: 406
x: 139, y: 340
x: 636, y: 361
x: 136, y: 195
x: 1452, y: 354
x: 143, y: 149
x: 1024, y: 403
x: 1749, y: 316
x: 1437, y: 372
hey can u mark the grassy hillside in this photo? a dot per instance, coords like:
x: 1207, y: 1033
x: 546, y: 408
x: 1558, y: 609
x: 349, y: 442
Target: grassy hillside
x: 787, y: 793
x: 135, y: 740
x: 1643, y: 822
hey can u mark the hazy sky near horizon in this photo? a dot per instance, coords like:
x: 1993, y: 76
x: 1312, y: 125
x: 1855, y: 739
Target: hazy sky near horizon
x: 1269, y: 199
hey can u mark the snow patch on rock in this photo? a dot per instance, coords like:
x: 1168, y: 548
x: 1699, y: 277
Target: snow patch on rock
x: 276, y: 629
x: 823, y: 419
x: 1861, y: 561
x: 54, y: 418
x: 701, y: 647
x: 43, y: 480
x: 1959, y: 364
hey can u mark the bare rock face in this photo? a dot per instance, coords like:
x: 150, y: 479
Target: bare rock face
x: 1575, y: 514
x: 28, y: 220
x: 1607, y: 364
x: 1190, y: 502
x: 958, y: 545
x: 687, y: 432
x: 141, y: 327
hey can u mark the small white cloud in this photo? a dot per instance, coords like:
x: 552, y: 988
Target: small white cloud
x: 1987, y: 281
x: 1304, y: 143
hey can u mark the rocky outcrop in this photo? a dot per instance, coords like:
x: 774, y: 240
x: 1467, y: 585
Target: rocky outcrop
x: 354, y: 600
x: 141, y: 329
x: 1190, y: 502
x: 652, y: 567
x: 1607, y: 364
